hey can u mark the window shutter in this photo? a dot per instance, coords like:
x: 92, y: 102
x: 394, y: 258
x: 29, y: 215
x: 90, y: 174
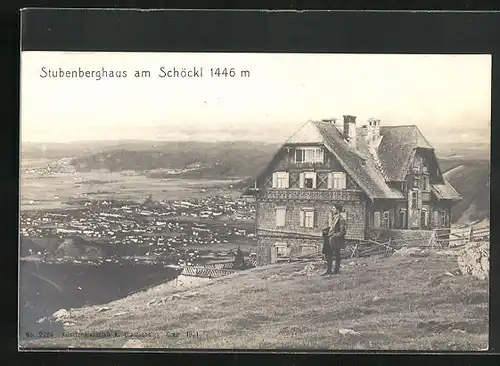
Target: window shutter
x: 343, y: 181
x: 314, y: 180
x: 287, y: 180
x: 302, y: 223
x: 280, y: 216
x: 301, y: 180
x: 314, y: 215
x: 275, y: 180
x: 330, y: 180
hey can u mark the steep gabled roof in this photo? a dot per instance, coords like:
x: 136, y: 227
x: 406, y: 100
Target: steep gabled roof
x: 361, y: 170
x: 396, y: 148
x: 445, y: 191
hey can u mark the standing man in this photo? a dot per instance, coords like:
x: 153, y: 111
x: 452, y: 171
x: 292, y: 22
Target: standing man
x: 336, y: 240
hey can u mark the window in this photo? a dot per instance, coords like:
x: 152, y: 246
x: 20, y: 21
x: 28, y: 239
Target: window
x: 414, y: 199
x: 402, y: 219
x: 280, y: 250
x: 415, y: 182
x: 309, y: 155
x: 426, y: 186
x: 436, y: 218
x: 417, y: 163
x: 281, y: 180
x: 444, y: 218
x: 337, y: 180
x: 386, y: 220
x: 308, y: 180
x: 376, y: 219
x: 424, y: 218
x: 280, y: 216
x: 307, y: 217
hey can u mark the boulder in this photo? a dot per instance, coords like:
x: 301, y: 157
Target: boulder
x: 61, y: 315
x: 412, y: 252
x: 474, y: 260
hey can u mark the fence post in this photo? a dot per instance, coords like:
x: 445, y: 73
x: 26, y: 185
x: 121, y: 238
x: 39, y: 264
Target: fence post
x: 431, y: 242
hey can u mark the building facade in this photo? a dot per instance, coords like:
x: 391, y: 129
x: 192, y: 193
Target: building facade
x: 385, y: 177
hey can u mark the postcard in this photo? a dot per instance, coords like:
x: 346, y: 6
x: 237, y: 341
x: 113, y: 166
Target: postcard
x: 254, y: 201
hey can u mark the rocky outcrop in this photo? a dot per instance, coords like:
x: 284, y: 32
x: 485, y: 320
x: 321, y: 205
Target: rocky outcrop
x: 474, y: 260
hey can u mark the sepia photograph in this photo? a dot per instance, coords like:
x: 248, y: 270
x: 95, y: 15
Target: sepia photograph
x: 254, y: 201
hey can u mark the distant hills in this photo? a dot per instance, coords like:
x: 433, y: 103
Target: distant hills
x: 244, y: 159
x: 471, y: 178
x: 190, y: 159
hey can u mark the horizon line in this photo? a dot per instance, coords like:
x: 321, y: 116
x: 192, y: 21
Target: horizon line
x: 198, y: 141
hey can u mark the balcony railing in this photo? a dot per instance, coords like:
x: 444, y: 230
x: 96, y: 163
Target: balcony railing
x: 312, y: 194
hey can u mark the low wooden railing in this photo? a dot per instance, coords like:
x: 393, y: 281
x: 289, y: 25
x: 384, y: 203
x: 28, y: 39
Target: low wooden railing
x: 454, y: 237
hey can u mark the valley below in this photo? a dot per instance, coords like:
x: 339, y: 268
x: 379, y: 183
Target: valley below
x: 97, y: 226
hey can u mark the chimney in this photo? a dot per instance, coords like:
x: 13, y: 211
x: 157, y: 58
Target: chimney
x: 350, y: 129
x: 329, y: 120
x: 373, y: 132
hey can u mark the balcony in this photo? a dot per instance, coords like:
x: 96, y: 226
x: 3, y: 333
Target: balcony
x: 312, y: 194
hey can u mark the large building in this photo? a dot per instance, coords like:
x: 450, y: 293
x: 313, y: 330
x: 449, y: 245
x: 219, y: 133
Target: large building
x: 386, y: 178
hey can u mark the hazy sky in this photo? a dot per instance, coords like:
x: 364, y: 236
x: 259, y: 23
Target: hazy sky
x: 447, y: 96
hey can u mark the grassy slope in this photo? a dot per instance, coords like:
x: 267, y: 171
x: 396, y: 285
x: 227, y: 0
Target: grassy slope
x: 472, y: 182
x: 394, y: 303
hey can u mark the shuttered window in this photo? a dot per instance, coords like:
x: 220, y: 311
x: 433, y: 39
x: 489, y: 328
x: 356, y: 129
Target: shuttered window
x: 281, y: 180
x: 307, y: 180
x: 337, y: 180
x: 307, y: 218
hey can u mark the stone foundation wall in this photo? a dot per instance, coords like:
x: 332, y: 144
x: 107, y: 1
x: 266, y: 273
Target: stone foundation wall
x: 410, y: 237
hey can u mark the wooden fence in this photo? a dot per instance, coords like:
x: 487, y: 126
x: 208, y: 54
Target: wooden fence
x: 457, y: 237
x: 440, y: 238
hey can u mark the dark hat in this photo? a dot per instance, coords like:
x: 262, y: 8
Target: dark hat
x: 338, y: 206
